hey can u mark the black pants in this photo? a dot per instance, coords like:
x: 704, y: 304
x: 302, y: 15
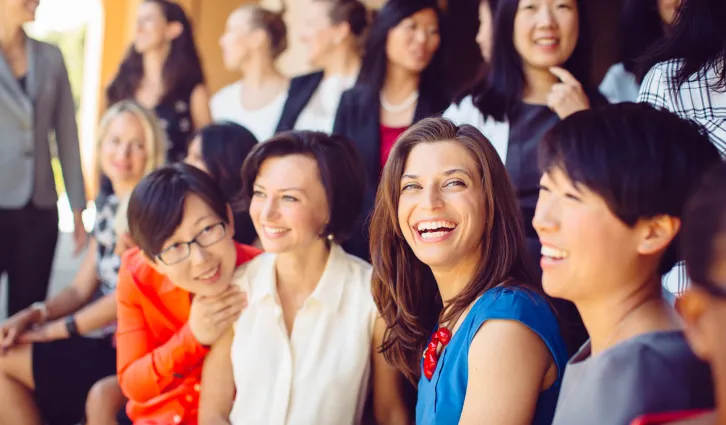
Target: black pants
x: 28, y: 237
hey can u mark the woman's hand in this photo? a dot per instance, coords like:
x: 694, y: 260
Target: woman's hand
x: 566, y: 97
x: 13, y: 327
x: 47, y: 332
x: 210, y: 317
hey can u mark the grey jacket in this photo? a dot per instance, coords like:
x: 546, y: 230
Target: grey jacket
x: 27, y: 124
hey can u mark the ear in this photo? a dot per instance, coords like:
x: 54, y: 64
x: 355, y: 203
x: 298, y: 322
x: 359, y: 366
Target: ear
x: 693, y: 305
x: 340, y: 32
x: 230, y: 219
x: 257, y: 37
x: 658, y: 233
x: 153, y: 264
x: 174, y: 30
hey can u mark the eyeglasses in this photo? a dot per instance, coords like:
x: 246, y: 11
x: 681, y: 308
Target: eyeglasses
x: 180, y: 251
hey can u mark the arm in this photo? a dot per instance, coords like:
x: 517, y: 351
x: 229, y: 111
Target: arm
x: 388, y: 405
x: 505, y: 378
x: 145, y: 370
x: 66, y: 134
x: 73, y: 297
x: 199, y: 105
x: 96, y: 315
x: 654, y: 88
x: 218, y: 390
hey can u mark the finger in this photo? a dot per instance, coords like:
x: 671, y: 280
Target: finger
x: 10, y: 337
x: 562, y: 88
x: 232, y: 299
x: 564, y: 75
x: 227, y: 313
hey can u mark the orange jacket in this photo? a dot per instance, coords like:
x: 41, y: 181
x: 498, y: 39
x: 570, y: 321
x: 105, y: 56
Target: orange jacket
x: 159, y: 361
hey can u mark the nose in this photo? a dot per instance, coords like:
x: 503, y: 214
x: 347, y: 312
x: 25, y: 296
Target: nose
x: 123, y: 151
x: 420, y: 36
x: 269, y: 211
x: 545, y: 17
x: 432, y: 198
x: 198, y: 254
x: 546, y: 216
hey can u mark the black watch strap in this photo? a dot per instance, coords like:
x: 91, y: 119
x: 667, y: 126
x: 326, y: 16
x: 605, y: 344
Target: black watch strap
x: 71, y: 326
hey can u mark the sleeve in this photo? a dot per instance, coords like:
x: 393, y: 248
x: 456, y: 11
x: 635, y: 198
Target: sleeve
x: 453, y: 112
x: 66, y: 135
x: 655, y: 88
x: 146, y: 370
x: 609, y: 85
x: 341, y: 125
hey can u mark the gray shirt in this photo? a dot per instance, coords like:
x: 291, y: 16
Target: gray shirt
x: 651, y: 373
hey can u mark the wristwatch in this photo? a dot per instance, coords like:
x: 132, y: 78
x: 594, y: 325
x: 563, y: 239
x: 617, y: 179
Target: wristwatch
x: 71, y: 325
x: 43, y: 309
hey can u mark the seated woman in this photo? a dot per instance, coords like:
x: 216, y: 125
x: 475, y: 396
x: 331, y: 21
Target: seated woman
x: 305, y: 349
x: 175, y: 294
x: 219, y: 150
x: 703, y: 306
x: 613, y: 189
x: 453, y: 282
x: 55, y: 351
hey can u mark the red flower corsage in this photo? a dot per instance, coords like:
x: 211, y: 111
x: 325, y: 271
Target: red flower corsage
x: 431, y: 356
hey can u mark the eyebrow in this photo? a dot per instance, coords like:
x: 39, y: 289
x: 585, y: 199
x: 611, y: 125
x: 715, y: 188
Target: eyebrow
x: 202, y: 218
x: 446, y: 173
x: 287, y: 189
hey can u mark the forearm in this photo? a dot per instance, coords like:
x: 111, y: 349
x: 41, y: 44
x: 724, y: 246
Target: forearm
x: 68, y: 301
x: 96, y: 315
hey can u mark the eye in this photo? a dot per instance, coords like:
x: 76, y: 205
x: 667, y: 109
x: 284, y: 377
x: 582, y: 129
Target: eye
x: 434, y: 30
x: 543, y: 188
x: 208, y: 229
x: 410, y: 186
x: 289, y: 198
x: 457, y: 182
x: 257, y: 194
x: 573, y: 197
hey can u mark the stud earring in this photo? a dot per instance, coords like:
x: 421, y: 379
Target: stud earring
x: 330, y: 237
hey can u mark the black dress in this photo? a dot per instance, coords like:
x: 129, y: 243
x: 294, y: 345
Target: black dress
x: 175, y: 117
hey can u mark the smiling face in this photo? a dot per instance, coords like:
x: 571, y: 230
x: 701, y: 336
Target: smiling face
x: 153, y: 31
x: 207, y: 270
x: 289, y: 206
x: 319, y: 36
x: 235, y: 42
x: 441, y: 206
x: 587, y: 251
x: 546, y: 32
x: 668, y: 9
x: 412, y: 44
x: 123, y: 154
x: 21, y: 11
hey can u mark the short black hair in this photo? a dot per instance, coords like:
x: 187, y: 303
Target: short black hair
x: 642, y: 161
x: 341, y: 172
x: 156, y: 206
x: 704, y: 222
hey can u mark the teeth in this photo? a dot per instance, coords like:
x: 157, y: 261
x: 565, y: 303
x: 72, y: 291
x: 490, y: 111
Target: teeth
x: 275, y: 230
x: 555, y: 253
x: 431, y: 225
x: 209, y: 275
x: 432, y: 235
x: 546, y: 41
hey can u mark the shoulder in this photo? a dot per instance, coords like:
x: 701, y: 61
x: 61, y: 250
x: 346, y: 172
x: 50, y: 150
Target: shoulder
x: 246, y: 271
x: 359, y: 272
x: 226, y: 93
x: 48, y: 50
x: 463, y: 111
x: 199, y: 93
x: 660, y: 73
x: 134, y: 272
x: 311, y: 79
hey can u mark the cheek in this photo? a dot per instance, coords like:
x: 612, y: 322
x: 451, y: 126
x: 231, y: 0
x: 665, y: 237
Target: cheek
x: 139, y: 160
x: 405, y: 209
x: 569, y: 30
x: 434, y: 44
x: 520, y: 36
x: 305, y: 221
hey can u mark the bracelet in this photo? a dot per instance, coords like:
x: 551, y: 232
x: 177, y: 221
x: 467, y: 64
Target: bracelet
x: 71, y: 326
x: 43, y: 309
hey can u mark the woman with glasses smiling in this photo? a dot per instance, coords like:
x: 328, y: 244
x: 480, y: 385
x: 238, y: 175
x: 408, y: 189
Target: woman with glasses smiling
x: 175, y: 296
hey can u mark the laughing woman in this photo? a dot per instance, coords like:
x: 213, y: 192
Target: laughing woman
x: 451, y: 275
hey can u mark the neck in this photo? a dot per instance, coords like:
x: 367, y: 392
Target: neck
x: 258, y: 72
x: 626, y: 314
x: 452, y: 280
x: 154, y: 65
x: 345, y: 62
x: 718, y: 369
x: 539, y: 83
x: 400, y: 83
x: 300, y: 270
x: 11, y: 35
x: 123, y: 189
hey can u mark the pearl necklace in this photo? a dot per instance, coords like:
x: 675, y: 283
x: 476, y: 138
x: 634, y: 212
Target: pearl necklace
x: 401, y: 107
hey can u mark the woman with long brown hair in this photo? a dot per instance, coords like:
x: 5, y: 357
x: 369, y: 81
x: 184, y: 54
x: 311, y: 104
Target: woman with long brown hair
x: 451, y: 275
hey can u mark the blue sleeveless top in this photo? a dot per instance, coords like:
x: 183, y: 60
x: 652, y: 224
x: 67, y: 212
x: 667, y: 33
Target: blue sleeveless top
x: 441, y: 400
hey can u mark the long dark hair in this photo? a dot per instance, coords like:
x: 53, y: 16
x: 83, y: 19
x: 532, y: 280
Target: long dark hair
x: 182, y: 70
x: 375, y: 59
x: 697, y: 38
x: 640, y: 27
x: 404, y: 288
x: 502, y: 86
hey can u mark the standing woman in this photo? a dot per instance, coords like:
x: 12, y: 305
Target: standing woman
x: 332, y: 34
x: 643, y: 23
x: 253, y: 40
x: 35, y: 99
x: 400, y: 83
x: 453, y: 283
x: 162, y: 72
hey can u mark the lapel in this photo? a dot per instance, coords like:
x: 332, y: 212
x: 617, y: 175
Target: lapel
x: 16, y: 99
x: 301, y: 91
x: 37, y: 68
x: 368, y: 139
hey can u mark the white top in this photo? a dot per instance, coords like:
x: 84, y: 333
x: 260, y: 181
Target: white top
x: 496, y: 131
x: 226, y: 105
x: 319, y: 375
x: 619, y: 85
x: 319, y: 113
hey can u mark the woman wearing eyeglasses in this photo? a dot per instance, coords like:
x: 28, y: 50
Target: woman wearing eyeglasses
x: 174, y: 292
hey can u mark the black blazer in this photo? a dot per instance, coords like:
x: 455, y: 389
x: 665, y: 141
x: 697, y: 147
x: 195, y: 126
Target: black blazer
x: 299, y: 94
x: 359, y: 119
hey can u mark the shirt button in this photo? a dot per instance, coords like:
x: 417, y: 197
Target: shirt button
x: 177, y: 419
x: 197, y: 387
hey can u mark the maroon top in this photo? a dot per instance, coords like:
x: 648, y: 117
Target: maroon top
x: 389, y: 135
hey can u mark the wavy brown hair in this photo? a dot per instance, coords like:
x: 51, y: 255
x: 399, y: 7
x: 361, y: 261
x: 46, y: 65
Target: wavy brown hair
x: 404, y: 288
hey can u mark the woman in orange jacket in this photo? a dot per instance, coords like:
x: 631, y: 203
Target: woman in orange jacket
x: 175, y: 296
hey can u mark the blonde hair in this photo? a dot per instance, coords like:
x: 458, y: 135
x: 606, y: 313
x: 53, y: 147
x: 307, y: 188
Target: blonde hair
x: 155, y: 143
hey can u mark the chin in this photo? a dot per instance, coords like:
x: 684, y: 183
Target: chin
x: 552, y: 288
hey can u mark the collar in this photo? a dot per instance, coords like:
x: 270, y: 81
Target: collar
x: 328, y: 291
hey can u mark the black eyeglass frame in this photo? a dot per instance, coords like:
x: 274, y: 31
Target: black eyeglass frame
x: 189, y: 244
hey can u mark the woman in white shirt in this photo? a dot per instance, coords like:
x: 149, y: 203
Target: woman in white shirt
x: 305, y: 349
x: 254, y: 38
x: 331, y: 33
x: 643, y: 23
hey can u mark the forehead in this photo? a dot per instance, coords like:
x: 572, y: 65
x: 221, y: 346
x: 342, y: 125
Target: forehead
x: 125, y: 123
x: 425, y: 16
x: 239, y: 18
x: 438, y: 157
x: 150, y: 8
x: 286, y: 171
